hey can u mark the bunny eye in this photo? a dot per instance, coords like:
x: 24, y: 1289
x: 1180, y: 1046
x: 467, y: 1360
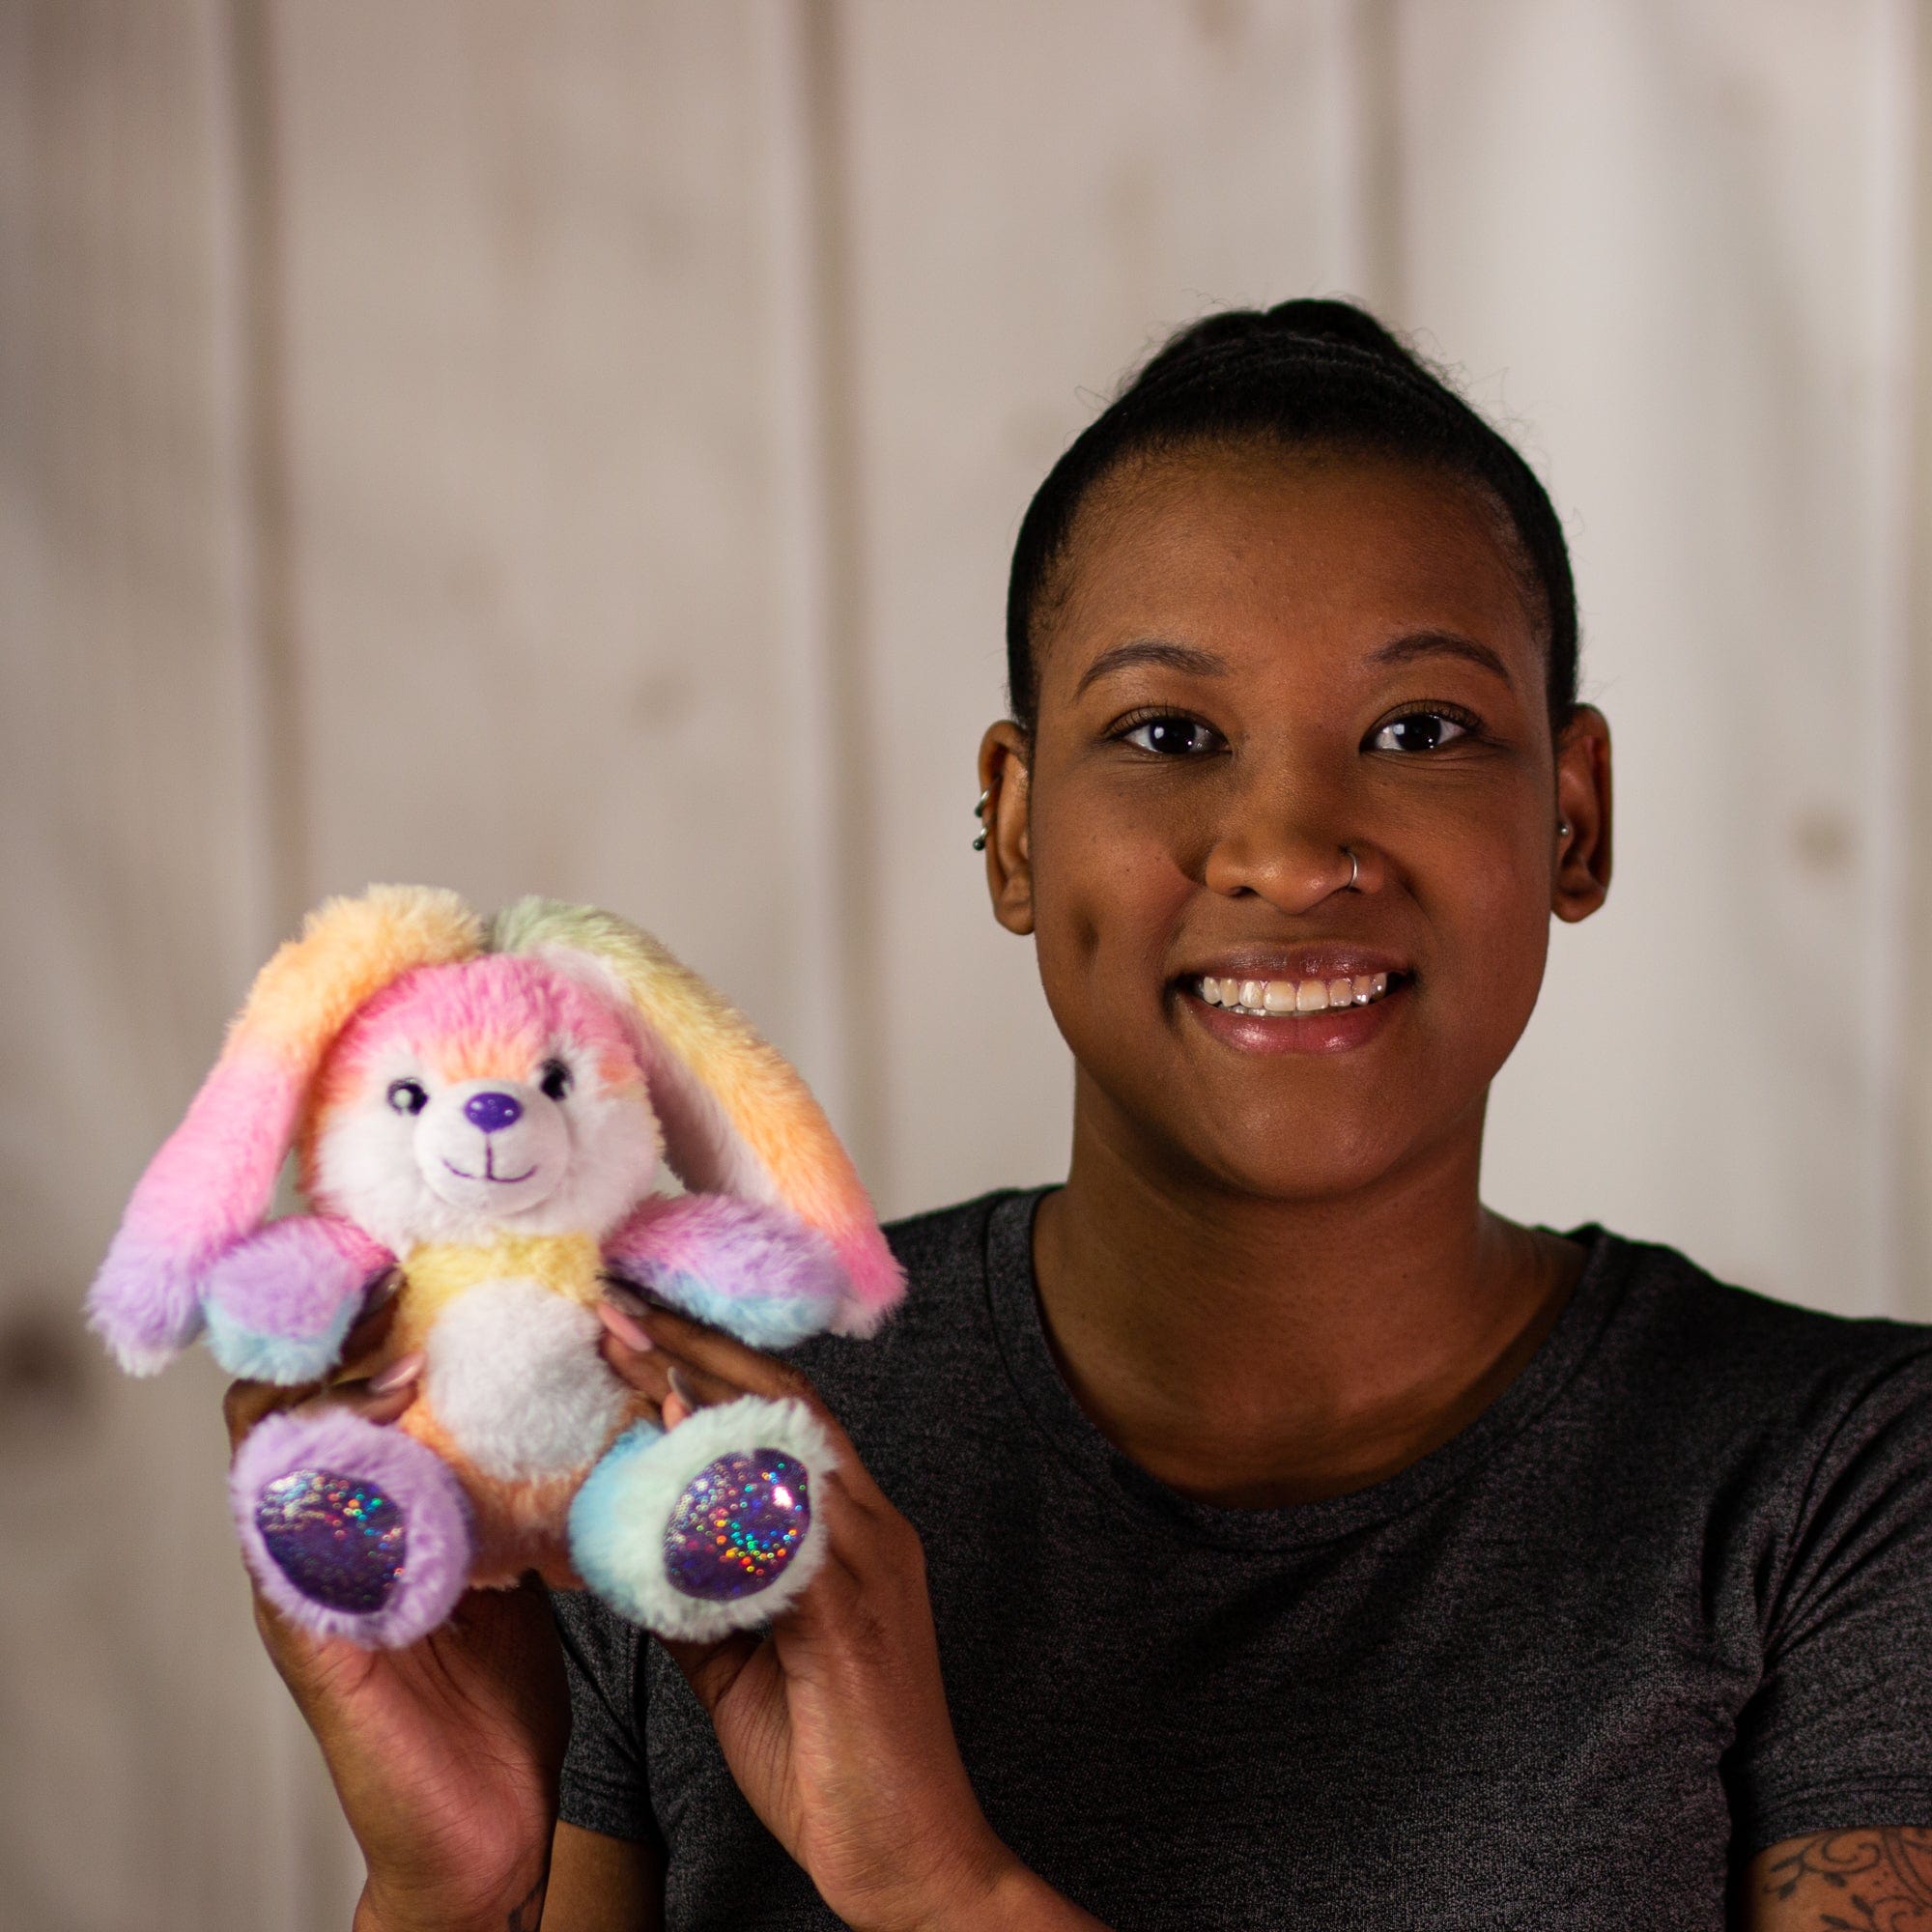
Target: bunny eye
x: 408, y: 1097
x: 555, y: 1081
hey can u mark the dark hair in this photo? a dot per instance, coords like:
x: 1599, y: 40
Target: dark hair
x: 1321, y: 374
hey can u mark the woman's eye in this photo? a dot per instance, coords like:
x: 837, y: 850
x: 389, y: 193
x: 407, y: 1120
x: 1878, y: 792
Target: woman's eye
x: 555, y: 1081
x: 408, y: 1097
x: 1419, y: 731
x: 1174, y: 737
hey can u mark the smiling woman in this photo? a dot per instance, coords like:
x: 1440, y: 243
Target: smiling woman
x: 1304, y: 1542
x: 1255, y: 1530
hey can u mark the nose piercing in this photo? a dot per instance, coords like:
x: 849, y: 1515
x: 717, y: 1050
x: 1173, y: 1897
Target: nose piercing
x: 1354, y: 868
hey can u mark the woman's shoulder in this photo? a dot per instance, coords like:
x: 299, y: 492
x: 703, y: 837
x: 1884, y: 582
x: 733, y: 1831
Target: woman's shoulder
x: 1691, y: 1335
x: 943, y: 1323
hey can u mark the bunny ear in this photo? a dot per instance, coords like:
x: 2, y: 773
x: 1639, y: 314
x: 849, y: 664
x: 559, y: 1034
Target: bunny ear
x: 214, y: 1177
x: 736, y: 1117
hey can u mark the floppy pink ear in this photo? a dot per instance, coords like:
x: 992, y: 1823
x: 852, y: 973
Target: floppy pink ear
x: 736, y: 1117
x: 214, y: 1177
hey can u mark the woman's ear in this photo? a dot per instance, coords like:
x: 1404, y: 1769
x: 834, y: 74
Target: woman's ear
x: 1583, y: 870
x: 1004, y: 764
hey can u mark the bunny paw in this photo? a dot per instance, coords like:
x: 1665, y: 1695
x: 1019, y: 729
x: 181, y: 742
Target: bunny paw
x: 279, y: 1304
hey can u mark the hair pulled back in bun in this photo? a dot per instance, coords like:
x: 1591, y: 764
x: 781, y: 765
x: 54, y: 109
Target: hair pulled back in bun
x: 1303, y: 374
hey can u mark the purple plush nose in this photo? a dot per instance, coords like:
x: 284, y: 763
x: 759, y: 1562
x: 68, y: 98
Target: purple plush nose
x: 492, y: 1111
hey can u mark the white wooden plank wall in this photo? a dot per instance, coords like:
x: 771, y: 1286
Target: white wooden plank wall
x: 578, y: 449
x: 150, y: 1778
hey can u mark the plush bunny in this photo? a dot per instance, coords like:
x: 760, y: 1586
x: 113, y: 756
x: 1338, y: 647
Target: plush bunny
x: 479, y: 1114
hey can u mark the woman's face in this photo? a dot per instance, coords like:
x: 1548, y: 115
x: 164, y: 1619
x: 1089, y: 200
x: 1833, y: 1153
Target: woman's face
x: 1253, y: 659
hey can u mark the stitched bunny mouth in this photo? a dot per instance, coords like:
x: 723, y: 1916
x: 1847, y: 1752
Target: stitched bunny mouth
x: 501, y: 1179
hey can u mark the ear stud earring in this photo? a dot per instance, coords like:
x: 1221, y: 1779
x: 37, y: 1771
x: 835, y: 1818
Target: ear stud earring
x: 980, y: 813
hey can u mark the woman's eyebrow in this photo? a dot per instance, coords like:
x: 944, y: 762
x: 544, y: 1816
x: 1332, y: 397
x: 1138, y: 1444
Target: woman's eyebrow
x: 1151, y: 650
x: 1441, y: 644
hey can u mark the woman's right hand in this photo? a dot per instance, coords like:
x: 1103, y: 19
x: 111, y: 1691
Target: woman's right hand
x: 446, y: 1754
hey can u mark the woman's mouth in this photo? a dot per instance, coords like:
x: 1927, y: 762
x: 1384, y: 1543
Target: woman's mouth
x: 1263, y: 999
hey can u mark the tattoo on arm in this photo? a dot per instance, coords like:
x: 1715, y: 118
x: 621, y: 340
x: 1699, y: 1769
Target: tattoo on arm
x: 1874, y: 1881
x: 527, y: 1914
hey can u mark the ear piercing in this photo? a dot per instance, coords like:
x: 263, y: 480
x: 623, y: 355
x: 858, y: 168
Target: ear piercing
x: 1562, y: 828
x: 980, y: 813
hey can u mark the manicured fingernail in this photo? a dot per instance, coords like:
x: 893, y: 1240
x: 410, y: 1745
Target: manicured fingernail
x: 624, y: 1326
x: 682, y: 1389
x: 404, y: 1368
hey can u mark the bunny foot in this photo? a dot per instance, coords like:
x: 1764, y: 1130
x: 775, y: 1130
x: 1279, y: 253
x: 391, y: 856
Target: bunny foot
x: 707, y: 1528
x: 351, y: 1529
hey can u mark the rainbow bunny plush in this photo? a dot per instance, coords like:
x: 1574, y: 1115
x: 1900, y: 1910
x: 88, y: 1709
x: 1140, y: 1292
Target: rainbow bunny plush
x: 480, y: 1113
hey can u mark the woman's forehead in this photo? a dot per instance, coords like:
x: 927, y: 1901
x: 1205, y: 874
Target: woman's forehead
x: 1263, y: 548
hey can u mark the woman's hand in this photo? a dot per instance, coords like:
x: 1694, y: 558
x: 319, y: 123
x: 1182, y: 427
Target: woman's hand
x: 445, y: 1754
x: 835, y: 1723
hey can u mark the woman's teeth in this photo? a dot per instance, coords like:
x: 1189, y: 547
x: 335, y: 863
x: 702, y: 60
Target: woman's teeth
x: 1292, y: 996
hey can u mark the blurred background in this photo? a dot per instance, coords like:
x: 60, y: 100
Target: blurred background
x: 575, y: 449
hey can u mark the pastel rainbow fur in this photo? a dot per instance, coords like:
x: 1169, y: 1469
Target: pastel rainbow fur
x: 736, y: 1121
x: 745, y: 1122
x: 405, y: 1051
x: 213, y: 1180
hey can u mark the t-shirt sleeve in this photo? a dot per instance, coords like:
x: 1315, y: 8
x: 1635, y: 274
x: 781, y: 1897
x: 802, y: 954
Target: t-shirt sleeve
x: 604, y: 1787
x: 1838, y: 1734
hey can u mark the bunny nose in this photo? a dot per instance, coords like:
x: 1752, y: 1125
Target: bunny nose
x: 492, y: 1111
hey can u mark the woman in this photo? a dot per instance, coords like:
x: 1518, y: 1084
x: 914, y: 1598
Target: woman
x: 1252, y: 1531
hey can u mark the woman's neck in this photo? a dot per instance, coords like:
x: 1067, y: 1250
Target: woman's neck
x: 1250, y: 1352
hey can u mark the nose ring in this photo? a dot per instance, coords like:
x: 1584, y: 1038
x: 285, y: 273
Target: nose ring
x: 1354, y: 868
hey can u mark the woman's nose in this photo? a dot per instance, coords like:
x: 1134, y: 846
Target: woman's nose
x: 1295, y: 861
x: 494, y: 1111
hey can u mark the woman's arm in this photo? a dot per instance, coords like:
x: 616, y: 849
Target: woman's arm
x: 1871, y: 1881
x: 599, y: 1884
x: 835, y: 1723
x: 445, y: 1755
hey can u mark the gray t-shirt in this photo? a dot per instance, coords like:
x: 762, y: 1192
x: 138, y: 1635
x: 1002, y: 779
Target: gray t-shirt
x: 1667, y: 1600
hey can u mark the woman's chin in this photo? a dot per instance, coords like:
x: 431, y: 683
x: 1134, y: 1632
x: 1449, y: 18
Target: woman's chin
x: 1304, y: 1182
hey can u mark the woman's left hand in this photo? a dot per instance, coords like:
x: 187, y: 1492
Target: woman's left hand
x: 834, y: 1722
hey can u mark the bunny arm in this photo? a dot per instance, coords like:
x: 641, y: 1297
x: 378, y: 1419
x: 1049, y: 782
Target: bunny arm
x: 280, y: 1300
x: 757, y: 1272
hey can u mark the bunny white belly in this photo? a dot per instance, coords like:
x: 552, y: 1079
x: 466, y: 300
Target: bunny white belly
x: 514, y: 1374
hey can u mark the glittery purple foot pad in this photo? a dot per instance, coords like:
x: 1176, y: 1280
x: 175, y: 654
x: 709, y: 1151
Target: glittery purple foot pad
x: 738, y: 1523
x: 338, y: 1541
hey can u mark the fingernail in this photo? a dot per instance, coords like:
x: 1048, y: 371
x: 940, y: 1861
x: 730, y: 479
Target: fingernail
x: 682, y: 1389
x: 404, y: 1368
x: 625, y: 1327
